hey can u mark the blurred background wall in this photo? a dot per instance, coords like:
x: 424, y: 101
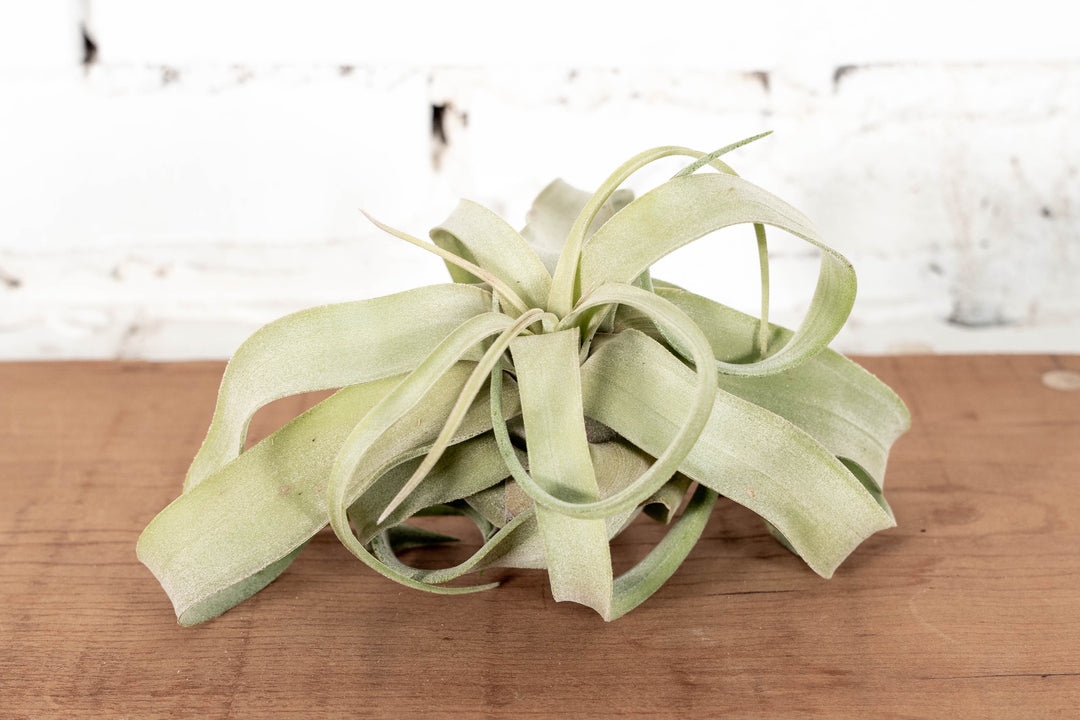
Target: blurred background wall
x: 174, y: 174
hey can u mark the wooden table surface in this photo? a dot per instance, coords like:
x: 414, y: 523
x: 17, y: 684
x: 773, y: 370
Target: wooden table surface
x: 970, y: 608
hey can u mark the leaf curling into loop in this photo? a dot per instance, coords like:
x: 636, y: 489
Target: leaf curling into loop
x: 468, y: 467
x: 840, y: 403
x: 746, y: 453
x: 471, y: 466
x: 667, y: 462
x: 233, y: 533
x: 327, y: 347
x: 387, y: 543
x: 565, y: 284
x: 495, y: 544
x: 690, y: 207
x: 343, y: 490
x: 468, y: 394
x: 637, y: 584
x: 578, y: 559
x: 759, y: 232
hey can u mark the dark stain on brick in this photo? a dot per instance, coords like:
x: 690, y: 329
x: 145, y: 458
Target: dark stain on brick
x: 438, y: 123
x: 10, y: 281
x: 90, y: 49
x: 443, y: 126
x: 840, y: 73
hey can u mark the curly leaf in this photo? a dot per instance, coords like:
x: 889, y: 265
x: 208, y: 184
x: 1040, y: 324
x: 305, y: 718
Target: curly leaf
x: 635, y: 386
x: 690, y: 424
x: 466, y: 396
x: 565, y: 285
x: 835, y: 400
x: 578, y: 557
x: 639, y: 583
x: 329, y: 347
x: 687, y: 208
x: 475, y: 233
x: 466, y: 468
x: 387, y: 431
x: 233, y: 533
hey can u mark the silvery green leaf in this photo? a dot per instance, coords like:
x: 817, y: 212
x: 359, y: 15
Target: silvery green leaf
x: 745, y: 453
x: 687, y: 208
x: 328, y: 347
x: 553, y: 213
x: 475, y: 233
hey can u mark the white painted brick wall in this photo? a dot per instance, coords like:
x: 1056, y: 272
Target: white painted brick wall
x: 203, y: 173
x: 37, y: 36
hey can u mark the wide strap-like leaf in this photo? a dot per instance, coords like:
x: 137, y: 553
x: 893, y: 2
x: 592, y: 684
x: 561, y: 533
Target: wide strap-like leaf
x: 553, y: 214
x: 549, y: 381
x: 835, y: 400
x: 678, y: 326
x: 755, y: 457
x: 482, y: 237
x: 687, y: 208
x: 561, y: 463
x: 329, y: 347
x: 233, y: 533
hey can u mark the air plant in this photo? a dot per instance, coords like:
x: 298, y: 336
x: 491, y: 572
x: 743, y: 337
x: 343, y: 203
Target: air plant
x: 552, y: 393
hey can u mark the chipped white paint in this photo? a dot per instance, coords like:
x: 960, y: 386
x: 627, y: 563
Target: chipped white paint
x: 200, y: 178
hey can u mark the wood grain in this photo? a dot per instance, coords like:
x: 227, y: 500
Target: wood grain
x: 970, y: 608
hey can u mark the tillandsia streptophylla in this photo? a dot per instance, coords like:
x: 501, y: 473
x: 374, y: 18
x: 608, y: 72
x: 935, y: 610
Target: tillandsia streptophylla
x: 552, y: 393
